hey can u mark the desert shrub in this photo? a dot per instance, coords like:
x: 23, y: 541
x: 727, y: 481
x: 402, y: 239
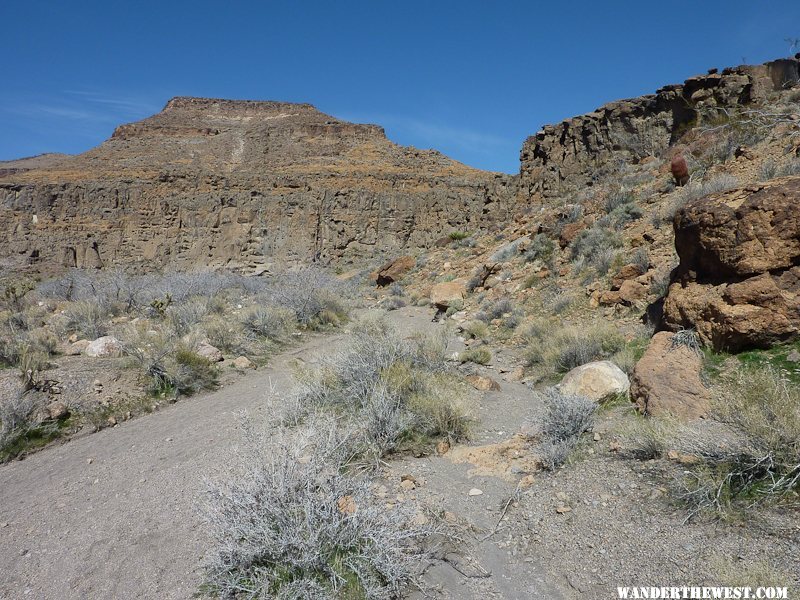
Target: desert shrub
x: 641, y: 258
x: 476, y: 330
x: 458, y: 235
x: 498, y: 308
x: 16, y: 413
x: 596, y: 246
x: 296, y: 523
x: 694, y: 190
x: 558, y: 349
x: 393, y: 303
x: 754, y: 458
x: 12, y: 293
x: 273, y: 323
x: 767, y: 170
x: 387, y: 385
x: 479, y: 356
x: 456, y: 305
x: 567, y: 416
x: 173, y: 368
x: 226, y: 334
x: 309, y: 292
x: 541, y: 248
x: 687, y: 338
x: 791, y: 167
x: 88, y: 318
x: 183, y: 317
x: 396, y: 289
x: 507, y: 252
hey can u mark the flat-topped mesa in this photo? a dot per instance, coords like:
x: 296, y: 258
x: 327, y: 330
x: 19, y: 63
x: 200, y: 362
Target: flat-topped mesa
x: 567, y: 156
x: 242, y: 184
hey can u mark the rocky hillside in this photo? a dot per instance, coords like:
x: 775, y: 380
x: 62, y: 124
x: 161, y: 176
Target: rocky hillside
x: 237, y: 184
x: 581, y: 150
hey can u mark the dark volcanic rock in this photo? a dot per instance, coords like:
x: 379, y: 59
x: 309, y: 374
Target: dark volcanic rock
x: 570, y: 154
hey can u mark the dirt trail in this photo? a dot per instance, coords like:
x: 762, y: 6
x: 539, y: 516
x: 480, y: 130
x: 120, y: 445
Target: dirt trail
x: 114, y: 514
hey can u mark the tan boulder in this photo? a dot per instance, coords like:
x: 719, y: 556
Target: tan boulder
x: 667, y: 380
x: 243, y: 363
x: 443, y: 295
x: 599, y: 380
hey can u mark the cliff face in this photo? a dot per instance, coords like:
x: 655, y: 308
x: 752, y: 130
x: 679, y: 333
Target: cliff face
x: 241, y: 184
x: 568, y: 155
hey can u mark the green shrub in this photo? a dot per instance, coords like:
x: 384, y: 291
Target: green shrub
x: 480, y: 356
x: 556, y: 348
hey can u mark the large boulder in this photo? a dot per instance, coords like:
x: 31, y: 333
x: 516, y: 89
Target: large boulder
x: 600, y: 380
x: 738, y: 281
x: 394, y: 270
x: 104, y: 347
x: 667, y: 380
x: 444, y: 295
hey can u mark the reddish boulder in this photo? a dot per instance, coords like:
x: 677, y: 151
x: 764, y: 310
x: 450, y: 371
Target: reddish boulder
x: 394, y: 270
x: 738, y: 281
x: 667, y: 381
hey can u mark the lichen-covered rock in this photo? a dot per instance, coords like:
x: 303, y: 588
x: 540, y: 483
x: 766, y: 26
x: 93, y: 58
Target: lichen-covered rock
x: 242, y: 363
x: 738, y: 281
x: 209, y: 352
x: 599, y: 380
x: 666, y: 380
x: 104, y: 347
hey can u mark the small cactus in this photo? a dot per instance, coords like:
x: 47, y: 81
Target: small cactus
x: 680, y: 170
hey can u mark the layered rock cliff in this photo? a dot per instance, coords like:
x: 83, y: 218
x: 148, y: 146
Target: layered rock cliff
x: 241, y: 184
x: 574, y: 153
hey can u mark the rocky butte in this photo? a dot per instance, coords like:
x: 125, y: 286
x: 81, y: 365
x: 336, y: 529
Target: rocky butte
x: 237, y: 184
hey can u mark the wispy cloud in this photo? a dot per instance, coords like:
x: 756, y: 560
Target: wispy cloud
x: 86, y: 107
x: 435, y: 134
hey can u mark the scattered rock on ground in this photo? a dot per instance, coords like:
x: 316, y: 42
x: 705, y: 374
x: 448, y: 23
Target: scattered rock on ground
x: 483, y: 384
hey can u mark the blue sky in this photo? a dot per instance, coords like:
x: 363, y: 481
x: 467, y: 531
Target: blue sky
x: 471, y: 78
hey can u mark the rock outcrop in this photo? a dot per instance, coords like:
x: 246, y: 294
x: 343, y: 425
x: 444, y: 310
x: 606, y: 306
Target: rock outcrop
x: 569, y: 155
x: 666, y: 381
x: 239, y: 184
x: 738, y: 281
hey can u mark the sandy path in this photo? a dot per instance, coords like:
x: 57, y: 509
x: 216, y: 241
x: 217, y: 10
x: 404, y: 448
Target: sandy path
x: 114, y: 514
